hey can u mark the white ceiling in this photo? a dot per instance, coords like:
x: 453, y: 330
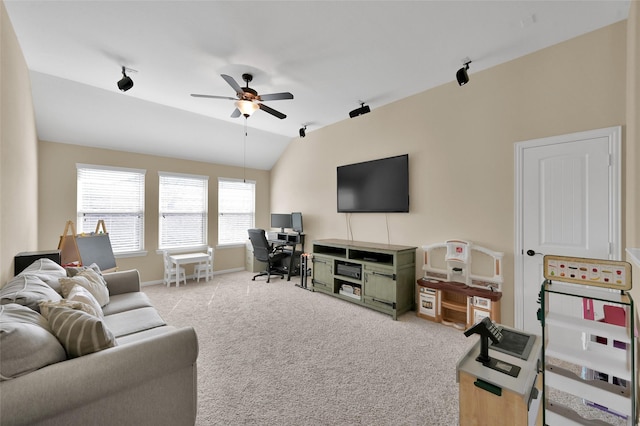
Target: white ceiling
x: 330, y: 54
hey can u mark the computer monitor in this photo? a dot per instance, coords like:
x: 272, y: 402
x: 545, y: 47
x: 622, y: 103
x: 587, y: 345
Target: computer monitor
x: 296, y: 222
x: 281, y: 220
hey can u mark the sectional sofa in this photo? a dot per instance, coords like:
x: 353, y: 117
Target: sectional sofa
x: 64, y: 363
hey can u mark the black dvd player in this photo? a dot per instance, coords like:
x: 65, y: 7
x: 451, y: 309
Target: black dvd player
x: 349, y: 270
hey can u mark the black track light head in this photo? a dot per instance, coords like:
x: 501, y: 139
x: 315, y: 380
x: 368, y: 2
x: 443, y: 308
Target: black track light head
x: 303, y: 131
x: 462, y: 76
x: 360, y: 111
x: 125, y: 82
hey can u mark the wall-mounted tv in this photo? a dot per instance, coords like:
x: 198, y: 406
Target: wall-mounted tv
x: 377, y: 186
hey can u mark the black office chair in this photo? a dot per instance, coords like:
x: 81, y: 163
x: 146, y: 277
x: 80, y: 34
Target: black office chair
x: 263, y: 252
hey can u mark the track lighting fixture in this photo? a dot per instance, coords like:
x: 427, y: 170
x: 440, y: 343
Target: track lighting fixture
x: 462, y: 76
x: 359, y: 111
x: 125, y: 82
x: 303, y: 131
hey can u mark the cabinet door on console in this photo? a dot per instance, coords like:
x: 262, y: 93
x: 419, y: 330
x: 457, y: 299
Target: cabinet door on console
x: 323, y: 273
x: 379, y: 284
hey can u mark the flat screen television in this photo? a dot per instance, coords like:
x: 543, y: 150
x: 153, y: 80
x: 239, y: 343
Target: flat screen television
x: 296, y: 222
x: 377, y: 186
x: 281, y: 220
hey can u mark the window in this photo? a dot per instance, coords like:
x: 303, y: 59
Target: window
x: 183, y: 211
x: 115, y: 195
x: 236, y: 210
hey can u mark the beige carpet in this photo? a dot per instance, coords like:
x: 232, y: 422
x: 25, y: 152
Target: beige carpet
x: 275, y: 354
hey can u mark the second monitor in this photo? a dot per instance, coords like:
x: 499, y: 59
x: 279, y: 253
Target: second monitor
x: 287, y: 221
x: 281, y: 220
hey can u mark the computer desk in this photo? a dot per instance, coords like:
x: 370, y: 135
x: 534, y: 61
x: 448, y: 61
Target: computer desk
x: 291, y: 240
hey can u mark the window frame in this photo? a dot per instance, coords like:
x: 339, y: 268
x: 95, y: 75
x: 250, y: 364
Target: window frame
x: 204, y: 231
x: 241, y: 241
x: 83, y: 210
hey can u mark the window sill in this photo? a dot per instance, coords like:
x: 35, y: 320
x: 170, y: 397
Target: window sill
x: 230, y: 246
x: 183, y: 249
x: 140, y: 253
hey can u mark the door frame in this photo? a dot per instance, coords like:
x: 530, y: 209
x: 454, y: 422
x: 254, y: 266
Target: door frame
x: 615, y: 171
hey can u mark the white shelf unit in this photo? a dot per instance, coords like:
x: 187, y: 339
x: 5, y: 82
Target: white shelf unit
x: 573, y: 346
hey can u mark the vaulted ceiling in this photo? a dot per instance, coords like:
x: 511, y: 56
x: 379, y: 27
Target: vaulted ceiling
x: 331, y: 55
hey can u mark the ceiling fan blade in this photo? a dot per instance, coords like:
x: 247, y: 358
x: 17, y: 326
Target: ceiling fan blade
x: 233, y: 84
x: 272, y: 111
x: 195, y: 95
x: 236, y: 113
x: 275, y: 96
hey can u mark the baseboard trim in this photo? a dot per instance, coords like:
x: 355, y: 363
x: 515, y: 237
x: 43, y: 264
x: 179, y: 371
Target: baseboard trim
x: 192, y: 277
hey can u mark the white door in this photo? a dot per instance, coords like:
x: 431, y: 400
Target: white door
x: 568, y: 204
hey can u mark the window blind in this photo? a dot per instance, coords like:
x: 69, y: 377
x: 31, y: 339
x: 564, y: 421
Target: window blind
x: 115, y: 195
x: 236, y: 210
x: 183, y: 210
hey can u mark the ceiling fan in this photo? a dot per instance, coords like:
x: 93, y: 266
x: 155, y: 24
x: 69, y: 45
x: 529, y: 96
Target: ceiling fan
x: 248, y: 100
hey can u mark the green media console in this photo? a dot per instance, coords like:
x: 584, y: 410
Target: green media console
x: 377, y: 276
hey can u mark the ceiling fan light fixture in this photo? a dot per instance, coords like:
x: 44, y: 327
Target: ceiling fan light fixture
x: 247, y: 107
x: 125, y: 82
x: 462, y: 76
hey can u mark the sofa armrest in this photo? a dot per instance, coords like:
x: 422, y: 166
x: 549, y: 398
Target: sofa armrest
x: 122, y: 281
x: 145, y: 381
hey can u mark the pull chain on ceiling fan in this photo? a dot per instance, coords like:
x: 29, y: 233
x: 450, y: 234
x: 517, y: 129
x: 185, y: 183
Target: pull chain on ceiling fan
x: 247, y: 99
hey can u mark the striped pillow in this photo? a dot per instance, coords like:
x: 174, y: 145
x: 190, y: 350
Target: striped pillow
x: 79, y: 332
x: 90, y: 280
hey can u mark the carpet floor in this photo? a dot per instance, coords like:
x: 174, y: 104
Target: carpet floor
x: 275, y: 354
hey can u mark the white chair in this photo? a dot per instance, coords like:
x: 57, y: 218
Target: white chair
x: 205, y: 268
x: 170, y: 271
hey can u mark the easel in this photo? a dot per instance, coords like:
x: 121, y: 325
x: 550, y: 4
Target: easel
x: 68, y: 246
x: 70, y: 250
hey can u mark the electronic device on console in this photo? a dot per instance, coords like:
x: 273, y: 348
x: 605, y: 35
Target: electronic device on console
x: 349, y: 270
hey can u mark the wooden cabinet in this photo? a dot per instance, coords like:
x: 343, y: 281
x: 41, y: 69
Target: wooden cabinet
x: 377, y: 276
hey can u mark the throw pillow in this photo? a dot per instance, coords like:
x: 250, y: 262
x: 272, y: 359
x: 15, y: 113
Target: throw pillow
x: 72, y: 271
x: 79, y: 332
x: 86, y: 303
x: 90, y: 280
x: 81, y: 294
x: 47, y: 270
x: 26, y: 341
x: 27, y: 290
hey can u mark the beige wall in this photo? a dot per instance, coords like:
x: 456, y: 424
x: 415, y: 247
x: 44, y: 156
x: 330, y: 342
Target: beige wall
x: 18, y: 153
x: 460, y: 144
x: 57, y: 199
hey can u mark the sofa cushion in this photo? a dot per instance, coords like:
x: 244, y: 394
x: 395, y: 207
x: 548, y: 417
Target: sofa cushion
x: 146, y: 334
x: 126, y: 302
x: 27, y: 290
x: 133, y: 321
x: 90, y: 280
x: 48, y: 271
x: 73, y: 304
x: 79, y: 332
x: 26, y: 341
